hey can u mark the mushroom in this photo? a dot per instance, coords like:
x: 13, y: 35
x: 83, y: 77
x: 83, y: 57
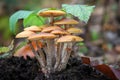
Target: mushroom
x: 49, y: 13
x: 25, y: 34
x: 74, y: 30
x: 66, y: 52
x: 65, y: 22
x: 49, y: 38
x: 33, y: 28
x: 59, y: 46
x: 52, y: 14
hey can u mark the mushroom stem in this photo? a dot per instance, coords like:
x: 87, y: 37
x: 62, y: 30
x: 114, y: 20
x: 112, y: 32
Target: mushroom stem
x: 51, y: 20
x: 42, y: 56
x: 58, y: 56
x: 35, y: 52
x: 66, y: 56
x: 65, y: 26
x: 50, y: 55
x: 63, y: 48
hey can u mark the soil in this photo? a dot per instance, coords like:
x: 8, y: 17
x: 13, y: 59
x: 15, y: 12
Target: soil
x: 15, y: 68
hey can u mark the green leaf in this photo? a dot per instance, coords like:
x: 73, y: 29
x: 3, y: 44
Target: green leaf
x: 83, y: 12
x: 4, y: 49
x: 81, y: 44
x: 34, y: 19
x: 16, y: 16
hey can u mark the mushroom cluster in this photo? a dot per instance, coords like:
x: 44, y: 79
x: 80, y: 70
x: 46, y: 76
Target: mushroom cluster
x: 54, y: 42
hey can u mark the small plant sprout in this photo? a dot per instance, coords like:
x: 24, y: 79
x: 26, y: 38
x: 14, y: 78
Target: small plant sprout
x: 56, y: 39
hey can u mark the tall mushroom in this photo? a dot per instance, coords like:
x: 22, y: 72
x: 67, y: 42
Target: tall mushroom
x: 52, y: 14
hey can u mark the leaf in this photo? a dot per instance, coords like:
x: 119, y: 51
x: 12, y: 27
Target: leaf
x: 85, y: 60
x: 116, y: 72
x: 34, y: 19
x: 16, y: 16
x: 83, y: 12
x: 107, y: 71
x: 4, y: 49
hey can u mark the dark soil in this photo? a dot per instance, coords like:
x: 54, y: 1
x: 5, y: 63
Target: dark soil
x: 20, y: 69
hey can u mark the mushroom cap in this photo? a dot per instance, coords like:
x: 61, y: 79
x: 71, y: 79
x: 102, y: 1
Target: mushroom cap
x: 60, y: 32
x: 51, y: 28
x: 74, y: 30
x: 33, y: 28
x: 42, y: 36
x: 24, y: 34
x: 66, y: 21
x: 69, y: 38
x: 49, y: 13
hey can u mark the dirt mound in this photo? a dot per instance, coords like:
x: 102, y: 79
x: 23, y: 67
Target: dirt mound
x: 15, y: 68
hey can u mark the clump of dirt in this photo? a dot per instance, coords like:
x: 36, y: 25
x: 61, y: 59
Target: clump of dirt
x: 15, y: 68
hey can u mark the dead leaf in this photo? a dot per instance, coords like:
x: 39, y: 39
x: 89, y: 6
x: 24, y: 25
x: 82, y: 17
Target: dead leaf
x: 86, y: 60
x: 107, y: 71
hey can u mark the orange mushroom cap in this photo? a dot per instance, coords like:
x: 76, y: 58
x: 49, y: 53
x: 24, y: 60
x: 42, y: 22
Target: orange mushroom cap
x: 49, y: 13
x: 33, y: 28
x: 60, y: 32
x: 69, y: 38
x: 74, y: 30
x: 66, y: 21
x: 42, y: 36
x: 51, y: 28
x: 24, y: 34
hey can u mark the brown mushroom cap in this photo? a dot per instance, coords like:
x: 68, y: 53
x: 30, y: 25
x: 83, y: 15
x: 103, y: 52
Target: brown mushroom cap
x: 60, y: 32
x: 42, y: 36
x: 24, y: 34
x: 69, y: 38
x: 54, y: 13
x: 66, y: 21
x: 74, y: 30
x: 51, y: 28
x: 33, y: 28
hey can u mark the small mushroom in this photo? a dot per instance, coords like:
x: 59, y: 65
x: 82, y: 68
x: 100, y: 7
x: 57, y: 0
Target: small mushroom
x: 52, y: 14
x: 66, y: 22
x: 66, y: 52
x: 49, y: 38
x: 33, y: 28
x: 74, y: 30
x: 69, y: 38
x: 59, y: 45
x: 24, y: 34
